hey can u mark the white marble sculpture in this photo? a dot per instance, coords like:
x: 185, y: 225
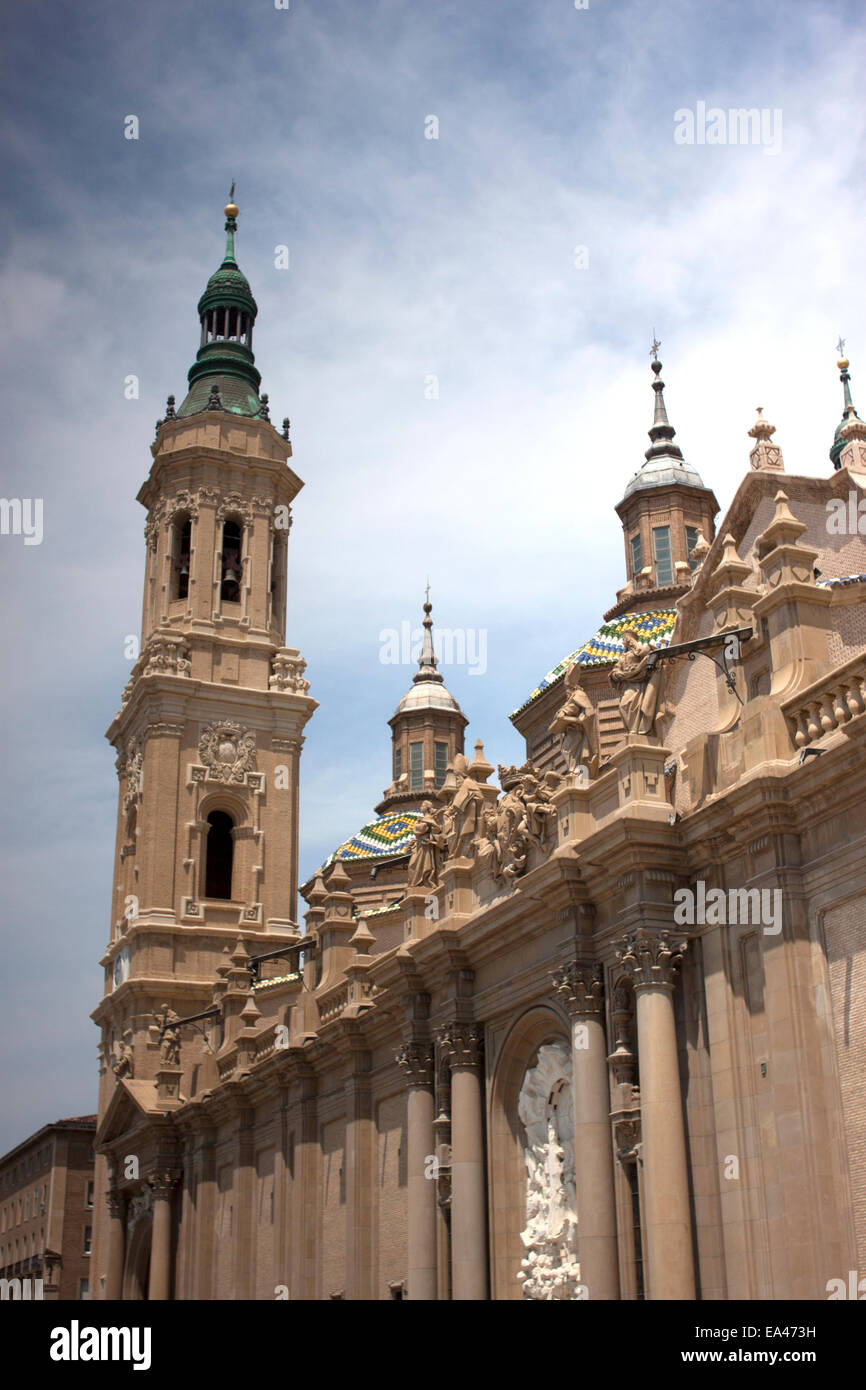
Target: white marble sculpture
x: 549, y: 1269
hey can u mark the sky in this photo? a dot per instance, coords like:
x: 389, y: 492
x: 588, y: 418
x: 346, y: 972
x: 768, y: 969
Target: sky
x: 461, y: 340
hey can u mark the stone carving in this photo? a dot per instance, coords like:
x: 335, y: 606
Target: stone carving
x: 765, y: 456
x: 549, y: 1270
x: 139, y: 1205
x: 426, y: 851
x: 651, y: 958
x: 463, y: 819
x: 462, y: 1043
x: 132, y: 767
x: 152, y: 525
x: 581, y: 988
x: 169, y: 1054
x: 288, y: 673
x: 165, y: 654
x: 523, y: 817
x: 416, y: 1061
x: 124, y: 1063
x: 227, y: 750
x: 699, y: 552
x: 183, y: 502
x: 234, y: 504
x: 638, y: 685
x: 576, y: 721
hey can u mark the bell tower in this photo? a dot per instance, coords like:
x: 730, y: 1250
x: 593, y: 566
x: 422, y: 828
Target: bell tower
x: 210, y: 731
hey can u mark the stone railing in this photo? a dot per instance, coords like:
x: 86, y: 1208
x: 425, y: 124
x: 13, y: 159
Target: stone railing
x: 332, y: 1004
x: 827, y: 704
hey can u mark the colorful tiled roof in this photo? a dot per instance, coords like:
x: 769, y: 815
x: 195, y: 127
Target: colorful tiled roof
x: 606, y: 646
x: 842, y: 581
x: 384, y: 838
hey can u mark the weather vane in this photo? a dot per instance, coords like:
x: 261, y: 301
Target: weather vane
x: 427, y: 591
x: 840, y: 346
x: 232, y: 194
x: 654, y: 350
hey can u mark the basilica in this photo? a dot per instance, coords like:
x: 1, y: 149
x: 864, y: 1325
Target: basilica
x: 587, y: 1028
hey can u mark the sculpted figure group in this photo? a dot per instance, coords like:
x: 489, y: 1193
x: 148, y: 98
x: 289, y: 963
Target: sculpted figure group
x: 469, y: 827
x: 500, y: 833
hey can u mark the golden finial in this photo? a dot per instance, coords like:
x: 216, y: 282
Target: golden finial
x: 842, y: 364
x: 231, y: 205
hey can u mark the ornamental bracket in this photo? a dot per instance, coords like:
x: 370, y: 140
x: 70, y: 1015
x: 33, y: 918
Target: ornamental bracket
x: 705, y: 646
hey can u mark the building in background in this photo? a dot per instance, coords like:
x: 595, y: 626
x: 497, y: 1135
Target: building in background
x: 46, y: 1210
x: 594, y: 1033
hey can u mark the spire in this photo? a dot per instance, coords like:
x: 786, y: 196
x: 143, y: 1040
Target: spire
x: 428, y: 663
x: 849, y: 414
x: 227, y: 313
x: 662, y: 432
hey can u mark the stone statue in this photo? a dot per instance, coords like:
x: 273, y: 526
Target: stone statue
x: 637, y: 684
x: 429, y: 842
x: 522, y: 817
x: 124, y: 1060
x: 464, y: 823
x: 576, y: 721
x: 169, y: 1055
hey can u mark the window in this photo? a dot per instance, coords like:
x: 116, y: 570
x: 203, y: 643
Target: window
x: 88, y: 1239
x: 440, y: 762
x: 398, y: 764
x: 662, y: 555
x: 416, y: 767
x: 182, y: 549
x: 636, y: 555
x: 89, y: 1197
x: 219, y: 853
x: 692, y: 534
x: 84, y: 1290
x: 230, y: 577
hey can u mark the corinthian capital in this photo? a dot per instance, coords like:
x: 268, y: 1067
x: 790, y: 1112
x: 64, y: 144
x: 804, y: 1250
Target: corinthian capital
x: 651, y: 958
x: 416, y: 1060
x: 463, y: 1043
x: 580, y: 987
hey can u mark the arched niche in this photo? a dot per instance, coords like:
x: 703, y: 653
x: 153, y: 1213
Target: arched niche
x: 540, y: 1025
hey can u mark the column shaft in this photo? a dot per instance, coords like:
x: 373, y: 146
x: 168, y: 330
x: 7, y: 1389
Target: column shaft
x: 468, y: 1189
x: 667, y: 1210
x: 422, y: 1195
x: 159, y: 1284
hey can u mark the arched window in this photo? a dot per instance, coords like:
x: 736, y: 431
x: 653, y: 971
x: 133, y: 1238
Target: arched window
x: 180, y: 559
x: 230, y: 576
x: 219, y: 853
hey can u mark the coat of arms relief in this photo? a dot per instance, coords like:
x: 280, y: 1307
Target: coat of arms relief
x: 227, y: 753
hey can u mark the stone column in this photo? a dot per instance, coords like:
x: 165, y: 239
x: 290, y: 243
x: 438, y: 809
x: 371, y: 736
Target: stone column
x: 464, y: 1042
x: 116, y: 1242
x: 652, y: 959
x: 416, y: 1059
x: 580, y: 987
x: 159, y: 1284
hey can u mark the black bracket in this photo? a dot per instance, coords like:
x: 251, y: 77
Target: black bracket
x: 705, y: 646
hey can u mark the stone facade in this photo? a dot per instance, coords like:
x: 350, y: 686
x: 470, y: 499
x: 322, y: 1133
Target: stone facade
x: 594, y: 1035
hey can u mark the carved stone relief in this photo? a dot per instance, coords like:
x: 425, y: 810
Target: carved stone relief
x: 549, y: 1270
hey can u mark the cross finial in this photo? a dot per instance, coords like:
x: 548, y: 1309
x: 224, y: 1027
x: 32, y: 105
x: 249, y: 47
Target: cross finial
x: 654, y: 350
x: 840, y: 346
